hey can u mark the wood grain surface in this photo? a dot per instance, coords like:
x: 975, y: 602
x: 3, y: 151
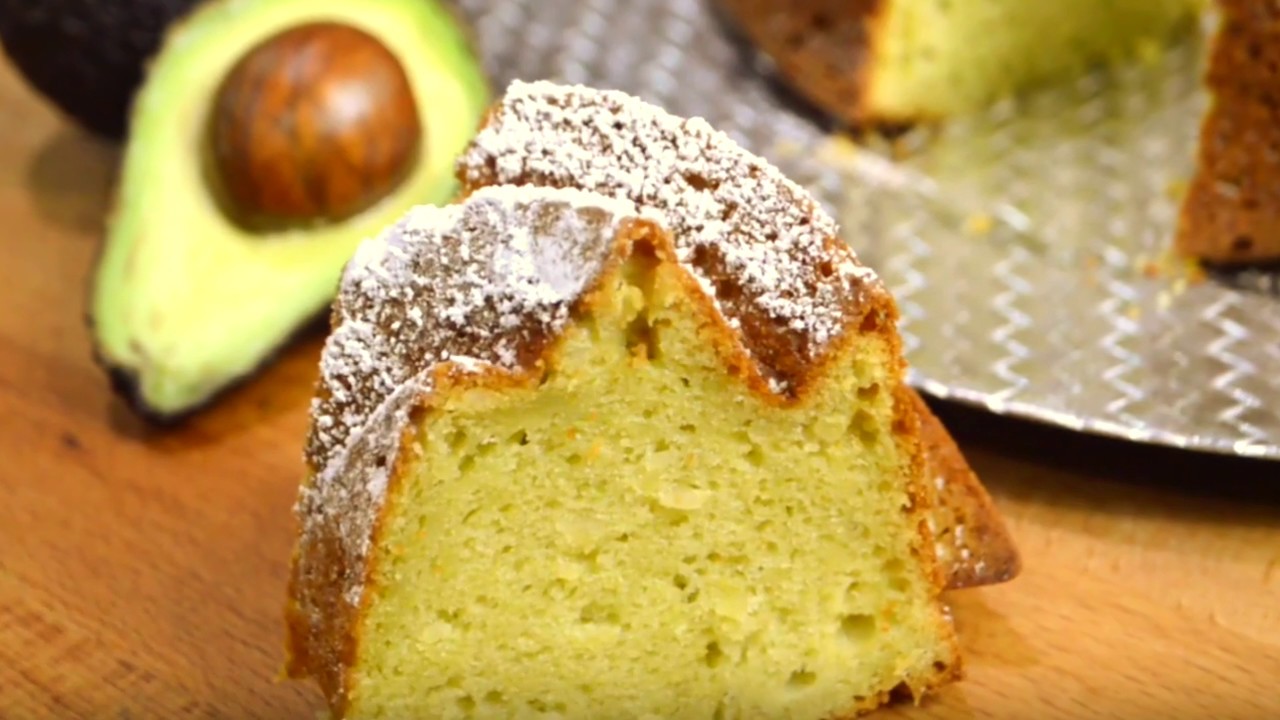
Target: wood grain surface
x: 142, y: 573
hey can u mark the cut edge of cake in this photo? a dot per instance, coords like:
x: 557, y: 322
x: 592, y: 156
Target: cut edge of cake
x: 495, y: 156
x: 785, y: 303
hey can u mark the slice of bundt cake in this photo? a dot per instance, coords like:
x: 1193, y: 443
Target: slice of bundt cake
x: 636, y: 449
x: 890, y: 62
x: 974, y: 546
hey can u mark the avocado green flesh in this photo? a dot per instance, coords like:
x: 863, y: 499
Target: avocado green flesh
x: 184, y: 301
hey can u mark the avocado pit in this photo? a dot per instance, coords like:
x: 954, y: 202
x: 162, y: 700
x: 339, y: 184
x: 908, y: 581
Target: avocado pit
x: 314, y: 124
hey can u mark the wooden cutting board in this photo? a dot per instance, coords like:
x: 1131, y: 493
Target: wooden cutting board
x: 142, y: 573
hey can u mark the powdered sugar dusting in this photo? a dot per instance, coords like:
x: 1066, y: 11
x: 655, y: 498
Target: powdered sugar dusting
x: 470, y: 279
x: 479, y: 283
x: 756, y: 241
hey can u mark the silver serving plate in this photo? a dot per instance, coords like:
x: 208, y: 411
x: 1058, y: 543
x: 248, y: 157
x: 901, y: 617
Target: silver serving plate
x: 1029, y: 247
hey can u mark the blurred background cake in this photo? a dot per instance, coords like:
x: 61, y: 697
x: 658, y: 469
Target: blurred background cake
x: 892, y: 63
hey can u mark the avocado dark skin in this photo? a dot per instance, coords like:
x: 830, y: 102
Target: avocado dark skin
x: 87, y: 57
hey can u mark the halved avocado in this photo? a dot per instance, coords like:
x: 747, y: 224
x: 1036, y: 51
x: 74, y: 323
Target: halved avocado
x: 186, y: 300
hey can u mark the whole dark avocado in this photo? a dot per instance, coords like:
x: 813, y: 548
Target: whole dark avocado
x: 87, y: 57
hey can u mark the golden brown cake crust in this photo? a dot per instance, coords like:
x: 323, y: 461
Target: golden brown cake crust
x: 974, y: 546
x: 1231, y: 213
x: 783, y: 297
x: 820, y: 48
